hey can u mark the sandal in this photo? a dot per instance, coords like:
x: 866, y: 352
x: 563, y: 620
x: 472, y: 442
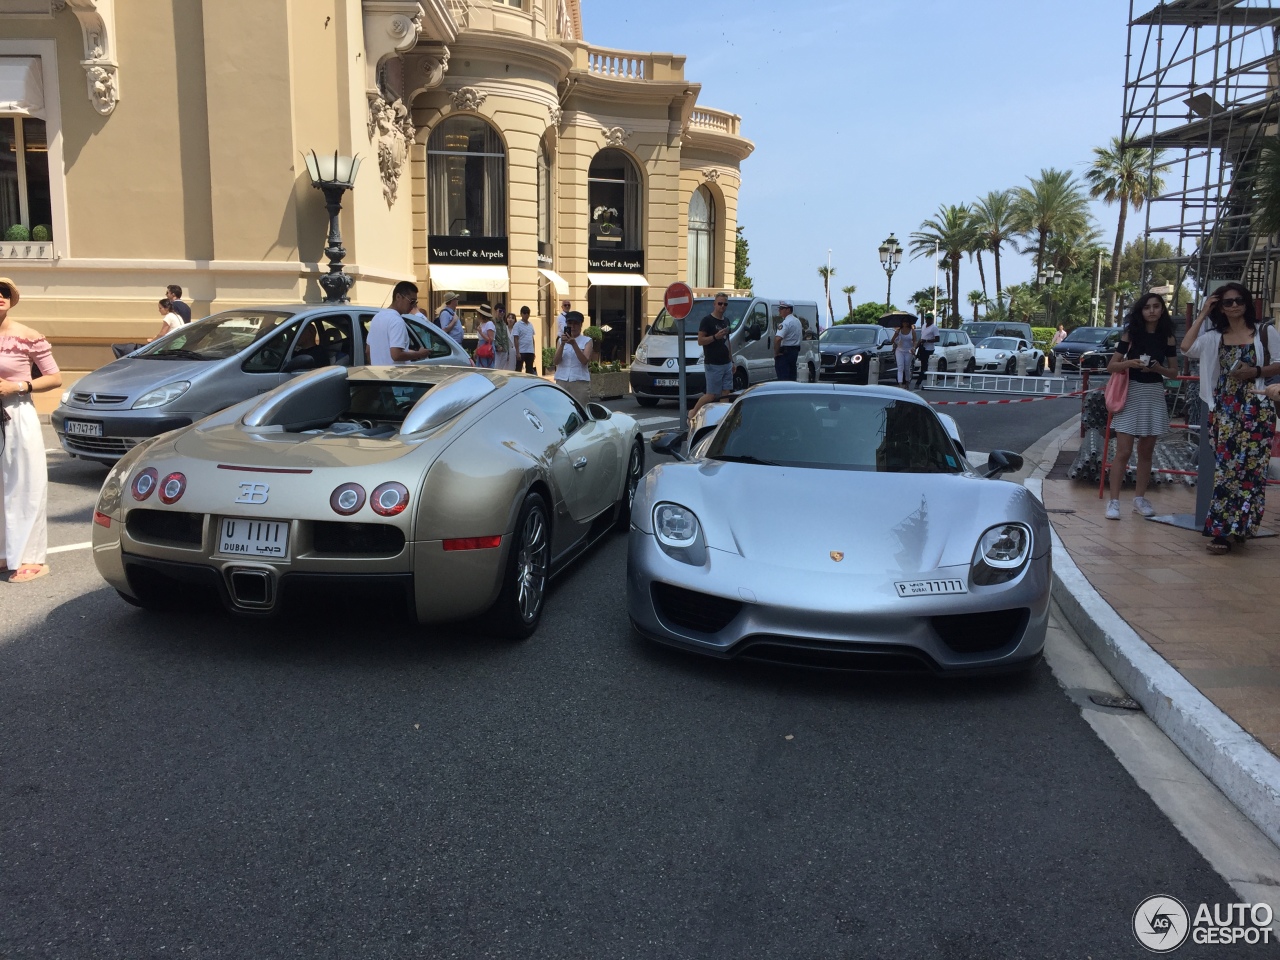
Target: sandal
x: 1218, y: 546
x: 28, y: 572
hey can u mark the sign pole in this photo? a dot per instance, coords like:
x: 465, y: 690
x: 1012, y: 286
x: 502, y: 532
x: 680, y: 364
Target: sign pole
x: 684, y: 386
x: 678, y: 301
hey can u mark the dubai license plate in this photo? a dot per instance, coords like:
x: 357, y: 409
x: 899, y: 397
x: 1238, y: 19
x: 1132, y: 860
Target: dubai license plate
x: 666, y: 381
x: 82, y: 428
x: 263, y: 539
x: 929, y: 588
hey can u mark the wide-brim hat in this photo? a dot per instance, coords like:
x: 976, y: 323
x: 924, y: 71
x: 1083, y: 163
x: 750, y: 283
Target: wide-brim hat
x: 486, y: 311
x: 450, y: 295
x: 13, y: 288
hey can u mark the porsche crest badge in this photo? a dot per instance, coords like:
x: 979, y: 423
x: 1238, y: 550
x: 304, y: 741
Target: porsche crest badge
x: 837, y: 555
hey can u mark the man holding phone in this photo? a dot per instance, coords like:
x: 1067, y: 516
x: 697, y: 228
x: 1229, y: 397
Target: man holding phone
x: 717, y: 361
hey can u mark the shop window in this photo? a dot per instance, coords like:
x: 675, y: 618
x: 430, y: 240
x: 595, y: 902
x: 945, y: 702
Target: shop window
x: 24, y: 175
x: 613, y: 191
x: 702, y: 232
x: 544, y: 198
x: 466, y: 179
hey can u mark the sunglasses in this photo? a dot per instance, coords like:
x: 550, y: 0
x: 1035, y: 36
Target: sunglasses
x: 6, y: 291
x: 1232, y: 301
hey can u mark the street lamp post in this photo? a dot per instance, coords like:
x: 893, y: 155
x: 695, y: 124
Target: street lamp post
x: 1048, y: 279
x: 333, y: 176
x: 890, y: 258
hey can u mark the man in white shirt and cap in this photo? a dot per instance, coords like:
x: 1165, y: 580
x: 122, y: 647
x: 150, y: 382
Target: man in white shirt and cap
x: 565, y: 307
x: 387, y: 341
x: 786, y: 342
x: 449, y: 321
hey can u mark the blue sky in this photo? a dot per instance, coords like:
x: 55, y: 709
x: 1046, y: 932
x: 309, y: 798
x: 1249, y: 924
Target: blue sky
x: 868, y: 115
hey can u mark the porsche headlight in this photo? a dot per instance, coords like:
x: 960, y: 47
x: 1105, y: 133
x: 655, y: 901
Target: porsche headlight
x: 1001, y: 355
x: 679, y: 534
x: 1001, y: 553
x: 642, y: 354
x: 162, y: 395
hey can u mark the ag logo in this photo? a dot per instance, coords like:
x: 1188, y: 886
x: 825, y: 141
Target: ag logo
x: 1161, y: 924
x: 253, y: 493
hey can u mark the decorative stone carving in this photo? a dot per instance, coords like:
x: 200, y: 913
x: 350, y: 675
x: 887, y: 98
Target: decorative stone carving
x: 424, y: 70
x: 713, y: 174
x: 391, y: 130
x: 102, y: 74
x: 556, y: 115
x: 391, y: 27
x: 468, y: 98
x: 616, y: 136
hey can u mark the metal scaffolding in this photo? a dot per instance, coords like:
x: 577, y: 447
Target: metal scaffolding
x: 1202, y: 85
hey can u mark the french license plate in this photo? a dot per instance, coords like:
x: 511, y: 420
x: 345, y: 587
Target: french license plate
x: 929, y: 588
x: 82, y: 428
x: 265, y: 539
x: 666, y: 381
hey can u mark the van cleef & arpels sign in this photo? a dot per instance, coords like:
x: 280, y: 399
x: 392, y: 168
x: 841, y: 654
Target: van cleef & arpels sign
x: 467, y: 250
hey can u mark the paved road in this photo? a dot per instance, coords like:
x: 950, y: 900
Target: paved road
x: 341, y: 784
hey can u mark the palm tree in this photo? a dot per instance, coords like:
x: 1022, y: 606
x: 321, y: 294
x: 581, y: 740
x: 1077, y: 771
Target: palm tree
x: 826, y: 273
x: 948, y: 232
x: 1267, y: 219
x: 993, y: 224
x: 849, y: 291
x: 1054, y: 204
x: 1124, y: 173
x: 976, y: 299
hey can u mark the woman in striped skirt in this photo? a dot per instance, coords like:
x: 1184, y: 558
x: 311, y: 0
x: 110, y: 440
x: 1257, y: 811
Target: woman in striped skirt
x: 1146, y: 354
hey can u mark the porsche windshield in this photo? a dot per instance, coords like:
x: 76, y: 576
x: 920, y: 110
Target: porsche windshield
x: 835, y: 432
x: 218, y: 337
x: 999, y: 343
x: 862, y: 335
x: 665, y: 325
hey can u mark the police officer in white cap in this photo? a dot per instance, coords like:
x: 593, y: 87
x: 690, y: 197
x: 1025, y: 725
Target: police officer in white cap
x: 786, y: 342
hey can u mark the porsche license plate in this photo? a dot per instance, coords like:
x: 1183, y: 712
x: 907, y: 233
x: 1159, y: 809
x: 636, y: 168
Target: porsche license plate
x: 929, y: 588
x: 666, y: 382
x: 265, y: 539
x: 82, y: 428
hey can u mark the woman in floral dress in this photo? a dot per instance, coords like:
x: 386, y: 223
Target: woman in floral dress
x: 1234, y: 363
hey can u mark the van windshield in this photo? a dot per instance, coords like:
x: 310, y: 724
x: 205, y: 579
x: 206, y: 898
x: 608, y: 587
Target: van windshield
x: 666, y: 325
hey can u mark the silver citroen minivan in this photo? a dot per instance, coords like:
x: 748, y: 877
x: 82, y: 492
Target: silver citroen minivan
x: 753, y: 321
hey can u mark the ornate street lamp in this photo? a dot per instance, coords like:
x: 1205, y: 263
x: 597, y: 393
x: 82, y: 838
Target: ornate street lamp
x: 333, y: 176
x: 890, y: 258
x: 1048, y: 278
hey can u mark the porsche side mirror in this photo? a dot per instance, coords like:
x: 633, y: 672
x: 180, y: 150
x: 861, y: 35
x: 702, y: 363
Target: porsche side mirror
x: 668, y: 443
x: 1003, y: 461
x: 300, y: 361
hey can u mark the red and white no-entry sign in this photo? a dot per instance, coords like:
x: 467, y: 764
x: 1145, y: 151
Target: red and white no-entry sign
x: 678, y: 300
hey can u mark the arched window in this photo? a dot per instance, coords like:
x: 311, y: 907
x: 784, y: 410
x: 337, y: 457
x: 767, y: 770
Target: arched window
x: 613, y: 191
x: 702, y: 232
x: 466, y: 180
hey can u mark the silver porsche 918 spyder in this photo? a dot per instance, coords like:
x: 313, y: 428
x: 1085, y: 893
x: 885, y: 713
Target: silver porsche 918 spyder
x: 841, y: 526
x: 449, y: 491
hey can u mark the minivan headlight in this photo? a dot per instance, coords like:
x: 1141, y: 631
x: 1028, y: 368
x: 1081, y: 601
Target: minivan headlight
x: 162, y: 395
x: 642, y: 354
x: 1001, y: 553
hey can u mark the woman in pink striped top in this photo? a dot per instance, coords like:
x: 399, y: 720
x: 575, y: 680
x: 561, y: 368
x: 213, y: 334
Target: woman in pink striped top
x: 24, y: 474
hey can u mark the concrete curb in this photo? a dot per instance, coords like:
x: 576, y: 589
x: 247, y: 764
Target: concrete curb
x: 1246, y: 772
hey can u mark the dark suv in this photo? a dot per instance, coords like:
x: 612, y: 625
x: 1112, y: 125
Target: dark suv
x: 1086, y: 348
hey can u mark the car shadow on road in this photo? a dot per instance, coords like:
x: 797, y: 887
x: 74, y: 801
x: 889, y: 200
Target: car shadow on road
x: 84, y: 474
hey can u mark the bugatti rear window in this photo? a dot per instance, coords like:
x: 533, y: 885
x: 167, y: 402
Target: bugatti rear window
x: 382, y: 400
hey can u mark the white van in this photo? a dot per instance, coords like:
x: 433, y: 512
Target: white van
x: 753, y: 321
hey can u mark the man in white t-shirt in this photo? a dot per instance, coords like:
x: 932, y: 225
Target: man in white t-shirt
x: 388, y: 339
x: 565, y: 307
x: 573, y: 357
x: 928, y: 343
x: 449, y: 321
x: 522, y: 342
x: 786, y: 342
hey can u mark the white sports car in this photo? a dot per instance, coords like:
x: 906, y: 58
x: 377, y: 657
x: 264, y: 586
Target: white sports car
x: 1000, y: 355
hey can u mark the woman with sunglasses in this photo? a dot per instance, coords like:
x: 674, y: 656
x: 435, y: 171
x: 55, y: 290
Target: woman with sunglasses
x: 1145, y: 355
x: 1234, y: 363
x: 24, y: 474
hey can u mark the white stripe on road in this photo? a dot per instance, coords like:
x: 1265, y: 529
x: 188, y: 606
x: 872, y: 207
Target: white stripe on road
x: 648, y: 420
x: 71, y: 546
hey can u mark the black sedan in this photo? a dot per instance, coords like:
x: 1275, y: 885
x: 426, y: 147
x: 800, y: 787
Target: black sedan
x: 847, y: 350
x: 1086, y: 347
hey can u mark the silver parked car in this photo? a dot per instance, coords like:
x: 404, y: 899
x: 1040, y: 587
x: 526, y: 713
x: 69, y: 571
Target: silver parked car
x: 731, y: 552
x: 202, y: 367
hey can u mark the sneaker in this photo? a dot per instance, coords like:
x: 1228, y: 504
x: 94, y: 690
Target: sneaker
x: 1143, y: 506
x: 1113, y: 509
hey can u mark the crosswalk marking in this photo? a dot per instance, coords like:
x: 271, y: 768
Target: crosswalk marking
x: 71, y: 546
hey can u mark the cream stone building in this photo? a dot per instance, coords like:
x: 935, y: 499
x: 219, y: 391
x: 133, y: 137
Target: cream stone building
x: 149, y: 142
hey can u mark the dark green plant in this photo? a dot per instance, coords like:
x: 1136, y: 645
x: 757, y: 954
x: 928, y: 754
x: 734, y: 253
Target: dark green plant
x: 868, y: 312
x: 548, y: 359
x: 17, y: 232
x: 41, y: 233
x: 595, y: 333
x: 741, y: 261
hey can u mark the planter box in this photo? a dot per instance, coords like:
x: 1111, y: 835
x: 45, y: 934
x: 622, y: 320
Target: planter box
x: 610, y: 386
x: 26, y: 249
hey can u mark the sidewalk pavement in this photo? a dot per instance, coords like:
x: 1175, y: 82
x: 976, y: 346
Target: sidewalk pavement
x: 1194, y: 638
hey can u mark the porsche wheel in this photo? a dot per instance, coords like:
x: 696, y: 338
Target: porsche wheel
x: 647, y: 401
x: 1011, y: 366
x: 635, y: 470
x: 524, y: 586
x: 1040, y: 367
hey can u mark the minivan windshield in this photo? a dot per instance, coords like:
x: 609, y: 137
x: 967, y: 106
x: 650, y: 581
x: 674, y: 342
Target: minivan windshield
x: 218, y: 337
x: 840, y: 432
x: 860, y: 334
x: 666, y: 325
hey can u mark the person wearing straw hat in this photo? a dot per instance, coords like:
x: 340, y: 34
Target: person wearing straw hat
x: 24, y: 472
x: 448, y: 320
x: 486, y: 354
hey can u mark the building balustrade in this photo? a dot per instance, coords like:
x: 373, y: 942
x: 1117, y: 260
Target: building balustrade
x: 721, y: 121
